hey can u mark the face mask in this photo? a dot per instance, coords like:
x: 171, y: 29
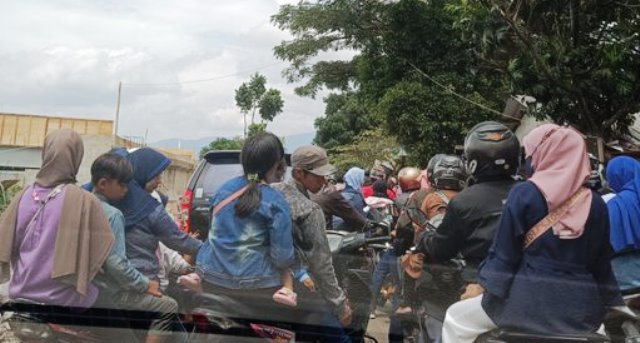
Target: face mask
x: 528, y: 167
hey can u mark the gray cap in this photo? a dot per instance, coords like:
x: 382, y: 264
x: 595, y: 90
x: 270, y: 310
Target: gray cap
x: 313, y: 159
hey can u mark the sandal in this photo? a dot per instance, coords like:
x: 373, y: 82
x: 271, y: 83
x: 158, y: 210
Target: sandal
x: 286, y: 296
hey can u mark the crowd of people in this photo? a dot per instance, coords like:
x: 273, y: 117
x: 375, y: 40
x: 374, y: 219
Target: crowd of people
x: 533, y: 237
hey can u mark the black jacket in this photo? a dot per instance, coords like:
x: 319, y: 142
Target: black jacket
x: 468, y: 226
x: 334, y: 204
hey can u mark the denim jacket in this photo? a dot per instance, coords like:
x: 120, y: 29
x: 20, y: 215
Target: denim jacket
x: 250, y: 252
x: 117, y: 272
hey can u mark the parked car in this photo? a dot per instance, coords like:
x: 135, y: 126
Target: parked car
x: 216, y: 168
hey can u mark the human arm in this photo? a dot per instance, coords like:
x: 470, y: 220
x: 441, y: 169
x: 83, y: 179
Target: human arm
x: 170, y: 235
x: 281, y: 236
x: 448, y: 239
x: 302, y: 276
x: 318, y: 258
x: 117, y: 266
x: 332, y: 202
x: 174, y: 262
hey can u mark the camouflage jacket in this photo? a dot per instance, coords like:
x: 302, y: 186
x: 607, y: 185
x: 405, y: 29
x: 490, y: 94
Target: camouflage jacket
x: 311, y: 242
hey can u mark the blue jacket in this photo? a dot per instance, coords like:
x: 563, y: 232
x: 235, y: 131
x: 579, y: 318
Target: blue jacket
x: 355, y: 198
x: 250, y: 252
x: 143, y: 240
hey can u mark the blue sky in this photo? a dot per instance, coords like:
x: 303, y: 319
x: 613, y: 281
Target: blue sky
x: 66, y: 57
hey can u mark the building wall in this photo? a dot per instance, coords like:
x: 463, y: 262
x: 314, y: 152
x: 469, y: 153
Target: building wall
x: 20, y: 130
x: 27, y: 161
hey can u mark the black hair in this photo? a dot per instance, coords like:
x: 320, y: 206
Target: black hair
x: 380, y: 189
x: 259, y: 154
x: 111, y: 166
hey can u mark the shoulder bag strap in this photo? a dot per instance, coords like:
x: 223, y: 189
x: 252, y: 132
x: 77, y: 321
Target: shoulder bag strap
x: 443, y: 196
x: 229, y: 199
x: 552, y: 218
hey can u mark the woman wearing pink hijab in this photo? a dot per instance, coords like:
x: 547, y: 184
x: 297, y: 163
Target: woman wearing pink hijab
x: 548, y: 270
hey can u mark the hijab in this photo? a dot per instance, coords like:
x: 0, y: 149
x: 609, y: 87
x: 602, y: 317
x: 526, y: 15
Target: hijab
x: 84, y: 237
x: 138, y: 203
x: 561, y: 167
x: 623, y: 176
x: 354, y: 178
x: 61, y: 157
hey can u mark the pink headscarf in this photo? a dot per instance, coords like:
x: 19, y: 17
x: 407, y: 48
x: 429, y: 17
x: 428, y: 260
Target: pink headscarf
x: 561, y: 167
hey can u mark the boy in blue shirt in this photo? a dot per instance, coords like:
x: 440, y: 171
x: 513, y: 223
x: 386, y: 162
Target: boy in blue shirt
x: 121, y: 285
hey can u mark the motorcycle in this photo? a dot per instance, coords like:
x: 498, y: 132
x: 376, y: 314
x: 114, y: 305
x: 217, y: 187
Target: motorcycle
x: 441, y: 286
x: 353, y: 259
x: 210, y: 317
x: 36, y: 322
x: 232, y: 320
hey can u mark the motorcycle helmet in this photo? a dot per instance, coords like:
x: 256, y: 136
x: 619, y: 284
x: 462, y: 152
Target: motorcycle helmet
x: 432, y: 163
x: 450, y: 173
x: 491, y: 149
x: 409, y: 179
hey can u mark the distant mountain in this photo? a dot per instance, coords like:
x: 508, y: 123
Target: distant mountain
x: 290, y: 142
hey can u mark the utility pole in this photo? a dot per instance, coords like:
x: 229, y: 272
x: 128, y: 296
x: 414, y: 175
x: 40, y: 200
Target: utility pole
x: 115, y: 124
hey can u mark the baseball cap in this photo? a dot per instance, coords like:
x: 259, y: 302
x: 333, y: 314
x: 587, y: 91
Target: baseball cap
x: 313, y: 159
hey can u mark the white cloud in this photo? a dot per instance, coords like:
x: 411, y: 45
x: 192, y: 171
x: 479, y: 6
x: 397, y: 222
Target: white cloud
x: 66, y: 57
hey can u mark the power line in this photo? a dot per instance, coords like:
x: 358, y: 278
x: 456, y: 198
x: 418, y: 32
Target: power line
x: 201, y: 80
x: 460, y: 96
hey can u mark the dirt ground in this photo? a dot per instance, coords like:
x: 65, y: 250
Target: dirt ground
x: 379, y: 327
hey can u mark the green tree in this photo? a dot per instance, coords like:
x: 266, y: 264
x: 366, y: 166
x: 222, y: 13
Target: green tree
x: 222, y: 143
x: 255, y: 97
x: 423, y: 113
x: 411, y: 73
x: 366, y: 148
x: 7, y: 194
x: 580, y: 60
x: 346, y: 115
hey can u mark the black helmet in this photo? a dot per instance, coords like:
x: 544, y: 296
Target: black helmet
x: 432, y: 164
x: 449, y: 173
x: 491, y: 149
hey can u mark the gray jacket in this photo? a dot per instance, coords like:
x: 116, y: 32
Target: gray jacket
x: 311, y: 242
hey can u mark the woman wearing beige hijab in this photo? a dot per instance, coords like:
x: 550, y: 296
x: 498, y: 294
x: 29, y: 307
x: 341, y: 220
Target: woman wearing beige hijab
x: 55, y: 236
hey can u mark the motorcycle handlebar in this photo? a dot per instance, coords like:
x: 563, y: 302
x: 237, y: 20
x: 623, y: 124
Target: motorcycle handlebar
x: 374, y: 240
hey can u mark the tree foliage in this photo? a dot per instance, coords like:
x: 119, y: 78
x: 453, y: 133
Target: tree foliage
x: 7, y: 195
x: 346, y: 115
x: 408, y: 64
x: 366, y: 148
x: 426, y: 71
x: 222, y: 143
x: 255, y: 97
x: 580, y: 60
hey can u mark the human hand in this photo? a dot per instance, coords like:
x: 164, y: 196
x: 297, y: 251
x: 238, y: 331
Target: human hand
x: 472, y: 290
x: 347, y: 314
x: 416, y: 261
x: 190, y: 259
x: 311, y: 286
x: 154, y: 288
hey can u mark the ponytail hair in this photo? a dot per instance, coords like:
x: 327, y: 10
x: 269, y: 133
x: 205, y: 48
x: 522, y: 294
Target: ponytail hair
x: 259, y: 154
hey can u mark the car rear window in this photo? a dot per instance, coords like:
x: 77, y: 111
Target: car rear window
x: 213, y: 176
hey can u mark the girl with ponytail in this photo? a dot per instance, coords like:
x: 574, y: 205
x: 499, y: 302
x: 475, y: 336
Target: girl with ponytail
x: 249, y: 250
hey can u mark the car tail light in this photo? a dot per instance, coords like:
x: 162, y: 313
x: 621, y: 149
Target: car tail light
x: 186, y: 202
